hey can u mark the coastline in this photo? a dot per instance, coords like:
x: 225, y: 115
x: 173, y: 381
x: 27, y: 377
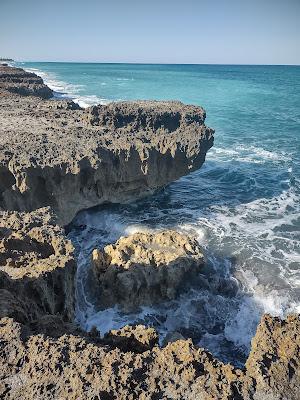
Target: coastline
x: 63, y: 90
x: 188, y: 363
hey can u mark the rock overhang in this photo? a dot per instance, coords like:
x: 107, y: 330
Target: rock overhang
x: 73, y: 159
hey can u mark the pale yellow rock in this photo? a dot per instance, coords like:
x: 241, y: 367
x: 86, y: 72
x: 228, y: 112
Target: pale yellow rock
x: 145, y: 268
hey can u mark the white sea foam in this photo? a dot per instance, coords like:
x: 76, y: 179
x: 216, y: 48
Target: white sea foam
x: 64, y: 90
x: 251, y: 154
x: 241, y: 231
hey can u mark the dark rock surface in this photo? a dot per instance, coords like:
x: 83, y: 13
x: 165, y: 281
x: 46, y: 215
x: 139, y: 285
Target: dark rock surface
x: 16, y: 80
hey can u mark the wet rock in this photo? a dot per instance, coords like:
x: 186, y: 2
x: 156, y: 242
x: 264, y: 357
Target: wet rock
x: 145, y: 268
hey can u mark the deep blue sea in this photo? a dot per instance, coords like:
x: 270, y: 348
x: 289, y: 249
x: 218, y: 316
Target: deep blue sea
x: 243, y: 204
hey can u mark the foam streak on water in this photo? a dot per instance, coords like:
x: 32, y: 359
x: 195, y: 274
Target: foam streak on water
x: 243, y: 205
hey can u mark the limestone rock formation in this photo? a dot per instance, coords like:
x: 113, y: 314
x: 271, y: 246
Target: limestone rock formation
x: 274, y: 360
x: 52, y: 153
x: 74, y: 159
x: 145, y: 268
x: 34, y: 366
x: 37, y: 267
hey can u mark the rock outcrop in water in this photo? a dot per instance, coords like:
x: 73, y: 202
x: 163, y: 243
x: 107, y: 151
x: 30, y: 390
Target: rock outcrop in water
x: 74, y: 159
x: 145, y: 268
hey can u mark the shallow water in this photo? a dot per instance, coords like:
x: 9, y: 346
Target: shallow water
x: 243, y: 204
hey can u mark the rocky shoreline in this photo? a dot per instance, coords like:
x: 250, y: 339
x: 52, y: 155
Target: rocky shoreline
x: 57, y: 159
x: 74, y: 159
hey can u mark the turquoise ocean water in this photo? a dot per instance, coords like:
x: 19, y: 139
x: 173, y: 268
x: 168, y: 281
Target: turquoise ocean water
x: 243, y: 204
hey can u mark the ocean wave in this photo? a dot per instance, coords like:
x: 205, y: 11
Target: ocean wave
x: 243, y: 206
x: 251, y: 154
x: 64, y: 90
x: 248, y: 276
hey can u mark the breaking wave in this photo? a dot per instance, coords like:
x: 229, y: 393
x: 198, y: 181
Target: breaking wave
x: 251, y: 243
x: 64, y: 90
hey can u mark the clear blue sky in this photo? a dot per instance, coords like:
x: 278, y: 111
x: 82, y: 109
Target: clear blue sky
x: 155, y: 31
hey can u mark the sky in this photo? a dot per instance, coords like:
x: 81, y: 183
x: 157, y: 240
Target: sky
x: 152, y: 31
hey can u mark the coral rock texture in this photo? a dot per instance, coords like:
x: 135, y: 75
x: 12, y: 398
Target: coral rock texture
x: 37, y: 267
x: 145, y: 268
x: 36, y: 366
x: 138, y: 338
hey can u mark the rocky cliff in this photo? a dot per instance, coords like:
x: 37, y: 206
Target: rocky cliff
x: 16, y: 80
x: 74, y: 159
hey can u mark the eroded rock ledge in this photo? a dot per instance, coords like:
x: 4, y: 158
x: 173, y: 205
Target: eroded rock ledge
x: 16, y: 80
x: 44, y: 355
x: 36, y: 366
x: 74, y: 159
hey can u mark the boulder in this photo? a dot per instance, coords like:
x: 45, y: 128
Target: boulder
x: 145, y: 268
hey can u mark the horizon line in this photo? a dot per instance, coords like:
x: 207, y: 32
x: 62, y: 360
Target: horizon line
x: 155, y: 63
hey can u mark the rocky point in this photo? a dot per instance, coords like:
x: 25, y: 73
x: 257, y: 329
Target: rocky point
x: 56, y: 159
